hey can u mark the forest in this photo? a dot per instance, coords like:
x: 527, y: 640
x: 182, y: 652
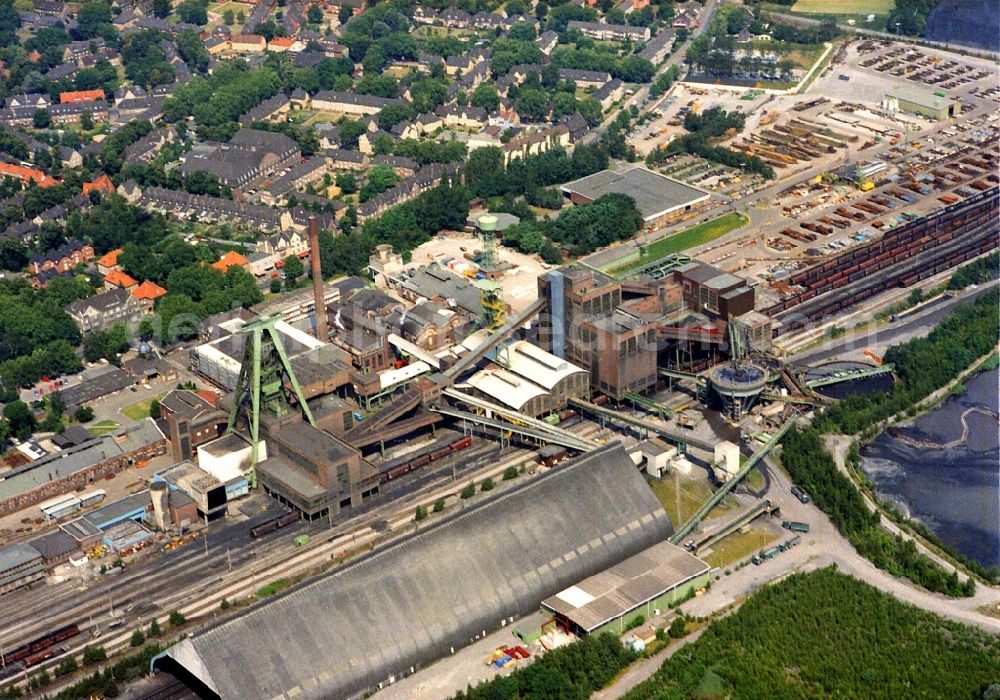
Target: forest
x: 572, y: 672
x: 825, y: 634
x: 923, y: 365
x: 809, y: 464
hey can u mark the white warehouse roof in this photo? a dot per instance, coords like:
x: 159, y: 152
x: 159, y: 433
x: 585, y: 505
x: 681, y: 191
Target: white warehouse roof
x: 530, y: 361
x: 506, y: 387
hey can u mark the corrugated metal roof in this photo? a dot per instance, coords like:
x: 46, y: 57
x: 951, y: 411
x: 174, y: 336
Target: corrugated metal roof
x: 411, y: 602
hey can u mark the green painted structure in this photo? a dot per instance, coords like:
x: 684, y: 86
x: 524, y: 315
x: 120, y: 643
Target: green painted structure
x: 260, y: 385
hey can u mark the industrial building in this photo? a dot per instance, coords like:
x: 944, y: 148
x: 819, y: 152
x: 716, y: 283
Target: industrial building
x: 20, y: 565
x: 530, y: 380
x: 658, y: 198
x: 619, y: 329
x: 644, y: 584
x: 914, y: 100
x: 355, y: 629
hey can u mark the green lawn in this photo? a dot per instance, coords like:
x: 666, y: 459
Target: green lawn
x: 688, y: 238
x: 739, y: 546
x: 140, y: 409
x: 694, y: 493
x: 102, y: 427
x: 844, y: 7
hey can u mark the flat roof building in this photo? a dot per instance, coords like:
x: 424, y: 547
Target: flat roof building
x: 645, y: 582
x: 657, y: 197
x: 20, y: 565
x: 914, y: 100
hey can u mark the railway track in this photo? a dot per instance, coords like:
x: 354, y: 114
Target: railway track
x: 250, y: 571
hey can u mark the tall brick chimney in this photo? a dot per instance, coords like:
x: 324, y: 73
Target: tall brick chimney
x: 317, y: 275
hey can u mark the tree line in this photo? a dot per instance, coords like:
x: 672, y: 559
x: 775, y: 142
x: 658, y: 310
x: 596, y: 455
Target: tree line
x: 825, y: 634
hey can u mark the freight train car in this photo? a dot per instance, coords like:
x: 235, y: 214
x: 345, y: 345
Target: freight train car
x: 40, y: 644
x: 269, y: 526
x: 424, y: 458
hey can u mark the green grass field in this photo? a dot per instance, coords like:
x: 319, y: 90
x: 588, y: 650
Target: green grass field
x: 102, y: 427
x: 694, y: 493
x: 843, y: 7
x: 688, y: 238
x: 140, y: 409
x: 739, y: 546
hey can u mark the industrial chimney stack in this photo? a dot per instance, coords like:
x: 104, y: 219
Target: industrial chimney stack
x: 317, y: 275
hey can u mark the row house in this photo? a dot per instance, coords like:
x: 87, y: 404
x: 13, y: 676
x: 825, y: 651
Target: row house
x: 268, y: 110
x: 24, y: 174
x: 584, y: 78
x: 141, y: 108
x: 34, y: 100
x: 343, y: 159
x: 75, y: 50
x: 215, y: 209
x: 610, y: 32
x: 533, y: 144
x: 299, y: 175
x: 281, y: 245
x: 403, y: 167
x: 38, y: 20
x: 464, y: 117
x: 407, y: 189
x: 64, y: 258
x: 149, y: 146
x: 349, y: 103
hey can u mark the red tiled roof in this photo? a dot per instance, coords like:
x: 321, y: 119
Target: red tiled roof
x: 148, y: 291
x: 80, y: 96
x: 117, y: 278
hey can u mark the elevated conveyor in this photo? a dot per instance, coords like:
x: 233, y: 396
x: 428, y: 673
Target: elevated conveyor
x: 569, y: 440
x: 696, y: 519
x: 660, y: 430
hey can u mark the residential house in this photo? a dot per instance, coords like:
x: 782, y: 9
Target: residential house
x: 108, y: 262
x: 230, y: 259
x: 102, y: 311
x: 75, y: 96
x: 584, y: 78
x: 102, y: 184
x: 610, y: 32
x: 146, y: 294
x: 117, y: 278
x: 464, y: 117
x: 658, y: 48
x: 349, y: 103
x: 64, y: 258
x: 609, y: 93
x: 538, y: 142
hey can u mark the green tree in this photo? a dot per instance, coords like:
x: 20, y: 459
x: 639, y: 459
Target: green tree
x: 485, y: 97
x: 510, y: 473
x: 154, y: 628
x: 229, y: 17
x: 154, y: 409
x: 67, y: 666
x: 678, y: 628
x: 468, y: 491
x: 380, y: 178
x: 162, y: 8
x: 177, y: 618
x: 93, y: 654
x: 275, y: 285
x: 84, y: 414
x: 420, y: 514
x: 438, y: 505
x: 41, y: 119
x: 20, y: 418
x: 314, y: 15
x: 487, y: 484
x: 138, y: 638
x: 86, y: 121
x: 293, y: 268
